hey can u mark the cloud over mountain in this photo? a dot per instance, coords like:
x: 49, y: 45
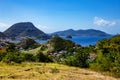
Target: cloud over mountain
x: 102, y: 22
x: 3, y: 26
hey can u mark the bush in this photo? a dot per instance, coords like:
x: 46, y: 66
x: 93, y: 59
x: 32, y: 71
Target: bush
x: 16, y: 57
x: 11, y: 47
x: 54, y: 70
x: 28, y: 44
x: 108, y: 58
x: 61, y: 44
x: 40, y: 57
x: 2, y: 55
x: 79, y: 59
x: 29, y: 57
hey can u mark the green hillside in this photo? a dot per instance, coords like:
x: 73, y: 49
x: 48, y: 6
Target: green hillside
x: 104, y: 58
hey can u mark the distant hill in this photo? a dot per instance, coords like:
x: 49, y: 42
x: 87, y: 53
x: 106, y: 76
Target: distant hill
x: 27, y: 44
x: 57, y: 44
x: 88, y: 32
x: 25, y: 29
x: 2, y: 35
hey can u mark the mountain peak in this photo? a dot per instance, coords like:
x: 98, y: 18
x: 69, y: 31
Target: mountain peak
x: 23, y: 24
x: 25, y: 29
x: 70, y: 30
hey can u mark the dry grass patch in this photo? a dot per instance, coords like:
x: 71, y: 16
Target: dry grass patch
x: 3, y: 50
x: 47, y: 71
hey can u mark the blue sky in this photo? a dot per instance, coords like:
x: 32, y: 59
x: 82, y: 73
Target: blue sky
x: 57, y: 15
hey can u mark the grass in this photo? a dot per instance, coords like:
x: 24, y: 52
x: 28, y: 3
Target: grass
x: 2, y: 50
x: 47, y: 71
x: 33, y: 51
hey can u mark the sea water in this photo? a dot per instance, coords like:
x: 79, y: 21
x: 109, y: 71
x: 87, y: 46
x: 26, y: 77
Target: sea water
x: 82, y: 40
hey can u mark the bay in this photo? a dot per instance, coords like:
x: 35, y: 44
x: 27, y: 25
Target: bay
x: 82, y: 40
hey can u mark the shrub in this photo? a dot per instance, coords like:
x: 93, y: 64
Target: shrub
x: 40, y: 57
x: 61, y: 44
x: 3, y: 50
x: 28, y: 44
x: 108, y: 58
x: 79, y: 59
x: 11, y: 47
x: 2, y: 55
x: 54, y: 70
x: 16, y: 57
x: 29, y: 57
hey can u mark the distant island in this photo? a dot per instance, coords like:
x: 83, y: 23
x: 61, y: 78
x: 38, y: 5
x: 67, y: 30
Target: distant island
x: 68, y: 36
x: 88, y: 32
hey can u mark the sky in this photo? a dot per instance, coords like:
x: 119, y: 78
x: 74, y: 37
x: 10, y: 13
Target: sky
x: 57, y: 15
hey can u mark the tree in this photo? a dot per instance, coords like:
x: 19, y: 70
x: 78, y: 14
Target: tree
x: 16, y: 57
x: 11, y: 47
x: 40, y: 57
x: 62, y: 44
x: 29, y: 57
x: 108, y: 59
x: 79, y: 59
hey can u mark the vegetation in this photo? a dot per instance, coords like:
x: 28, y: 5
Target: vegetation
x: 108, y: 56
x: 29, y: 57
x: 47, y: 71
x: 27, y: 44
x: 2, y: 56
x: 40, y: 57
x: 104, y: 57
x: 2, y: 50
x: 61, y: 44
x: 79, y: 59
x: 13, y: 57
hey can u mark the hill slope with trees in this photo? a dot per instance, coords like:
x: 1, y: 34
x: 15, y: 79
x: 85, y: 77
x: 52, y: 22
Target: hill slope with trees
x: 103, y: 57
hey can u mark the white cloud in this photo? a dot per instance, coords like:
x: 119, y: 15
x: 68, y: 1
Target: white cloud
x: 42, y: 27
x: 102, y: 22
x: 3, y: 26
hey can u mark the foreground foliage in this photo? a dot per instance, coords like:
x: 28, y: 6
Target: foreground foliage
x: 104, y: 57
x: 79, y: 59
x: 108, y: 58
